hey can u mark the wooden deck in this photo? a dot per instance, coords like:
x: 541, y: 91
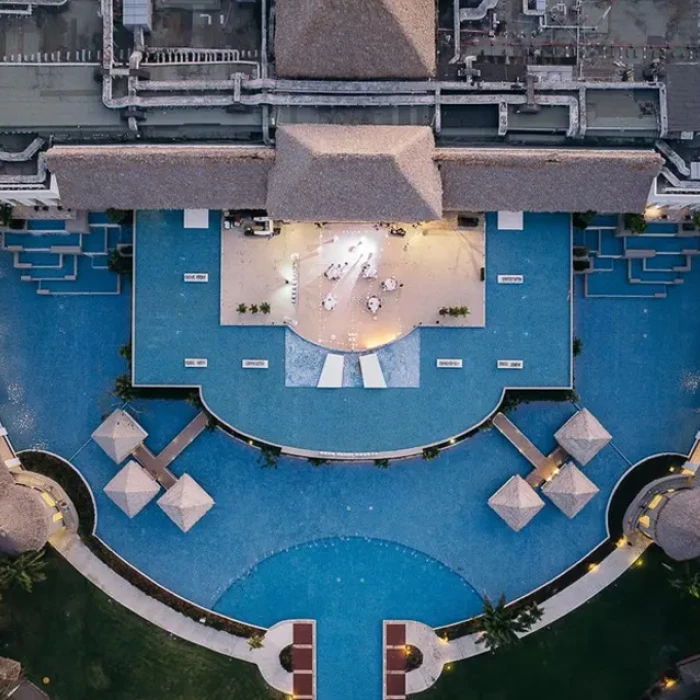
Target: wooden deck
x: 157, y: 467
x: 544, y: 467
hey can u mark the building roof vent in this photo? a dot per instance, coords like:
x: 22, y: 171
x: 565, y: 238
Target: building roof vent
x: 138, y: 14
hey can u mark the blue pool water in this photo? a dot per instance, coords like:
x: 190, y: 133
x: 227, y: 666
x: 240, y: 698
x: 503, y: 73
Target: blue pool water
x: 530, y: 322
x: 349, y: 586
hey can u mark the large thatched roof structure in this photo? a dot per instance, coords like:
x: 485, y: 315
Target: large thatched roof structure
x: 132, y: 488
x: 516, y: 502
x: 570, y: 490
x: 185, y: 502
x: 119, y: 435
x: 354, y: 173
x: 24, y: 519
x: 582, y: 436
x: 677, y: 525
x: 161, y: 177
x: 362, y: 39
x: 546, y: 180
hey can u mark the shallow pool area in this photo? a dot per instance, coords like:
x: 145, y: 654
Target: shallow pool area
x: 349, y: 585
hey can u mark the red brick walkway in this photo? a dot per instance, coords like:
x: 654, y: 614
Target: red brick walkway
x: 394, y: 661
x: 303, y: 660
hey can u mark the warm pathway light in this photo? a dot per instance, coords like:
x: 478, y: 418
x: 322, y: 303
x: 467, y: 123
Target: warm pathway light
x: 46, y: 680
x: 592, y: 567
x: 621, y: 542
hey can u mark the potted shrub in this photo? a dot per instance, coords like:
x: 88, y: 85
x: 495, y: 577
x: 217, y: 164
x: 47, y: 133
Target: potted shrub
x: 241, y: 308
x: 264, y: 308
x: 254, y: 308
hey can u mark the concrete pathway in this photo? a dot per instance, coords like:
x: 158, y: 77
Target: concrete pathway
x: 266, y: 658
x: 438, y: 652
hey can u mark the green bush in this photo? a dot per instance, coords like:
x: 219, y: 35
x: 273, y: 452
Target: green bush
x: 635, y: 223
x: 381, y: 463
x: 582, y: 220
x: 121, y: 264
x: 577, y: 346
x: 241, y: 308
x: 120, y: 216
x: 265, y: 308
x: 123, y: 388
x: 5, y: 214
x: 430, y: 453
x: 269, y: 456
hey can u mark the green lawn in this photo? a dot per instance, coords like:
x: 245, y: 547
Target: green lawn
x: 612, y: 648
x: 91, y: 648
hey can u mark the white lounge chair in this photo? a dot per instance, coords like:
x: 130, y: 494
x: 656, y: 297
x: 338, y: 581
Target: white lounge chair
x: 372, y: 375
x: 332, y: 372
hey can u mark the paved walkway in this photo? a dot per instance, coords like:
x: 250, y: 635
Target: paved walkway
x: 266, y: 658
x: 544, y: 467
x: 438, y: 652
x: 157, y: 467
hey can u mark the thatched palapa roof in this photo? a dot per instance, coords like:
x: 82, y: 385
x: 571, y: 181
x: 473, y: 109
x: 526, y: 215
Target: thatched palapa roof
x: 570, y: 490
x: 516, y: 502
x: 132, y: 488
x: 361, y: 39
x: 677, y: 525
x: 161, y: 177
x: 582, y: 436
x: 119, y: 435
x: 24, y: 519
x: 546, y: 180
x: 185, y: 502
x: 354, y: 173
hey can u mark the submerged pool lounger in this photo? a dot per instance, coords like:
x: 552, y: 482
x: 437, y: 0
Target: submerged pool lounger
x: 372, y: 375
x: 332, y: 372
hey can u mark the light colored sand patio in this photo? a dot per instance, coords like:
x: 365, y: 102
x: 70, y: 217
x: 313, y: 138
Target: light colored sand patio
x: 435, y: 265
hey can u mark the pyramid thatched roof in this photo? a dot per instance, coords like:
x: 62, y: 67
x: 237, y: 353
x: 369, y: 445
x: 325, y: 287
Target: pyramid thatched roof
x: 516, y: 502
x: 364, y: 39
x: 326, y: 172
x: 582, y: 436
x: 570, y: 489
x: 185, y: 502
x: 132, y: 488
x: 119, y: 435
x: 677, y: 525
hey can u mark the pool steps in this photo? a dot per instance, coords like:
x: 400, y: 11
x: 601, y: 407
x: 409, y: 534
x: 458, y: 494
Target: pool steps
x: 62, y: 260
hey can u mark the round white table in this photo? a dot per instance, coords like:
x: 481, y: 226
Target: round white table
x: 369, y: 271
x: 374, y: 304
x: 390, y: 284
x: 329, y: 302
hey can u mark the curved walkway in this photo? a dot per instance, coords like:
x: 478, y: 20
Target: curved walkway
x: 438, y: 652
x: 266, y: 658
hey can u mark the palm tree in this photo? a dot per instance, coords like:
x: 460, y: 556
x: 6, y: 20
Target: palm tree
x: 687, y: 581
x: 23, y: 571
x: 501, y: 625
x: 265, y: 308
x: 255, y: 642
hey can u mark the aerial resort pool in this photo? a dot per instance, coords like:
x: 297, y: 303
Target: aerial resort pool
x: 350, y: 544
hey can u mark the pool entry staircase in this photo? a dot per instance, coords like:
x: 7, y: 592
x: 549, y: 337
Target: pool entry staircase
x: 615, y: 262
x: 66, y: 252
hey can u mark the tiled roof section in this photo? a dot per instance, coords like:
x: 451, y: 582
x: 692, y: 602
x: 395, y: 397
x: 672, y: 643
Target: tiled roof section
x: 355, y: 38
x: 161, y: 177
x: 354, y: 173
x: 546, y: 180
x: 683, y: 96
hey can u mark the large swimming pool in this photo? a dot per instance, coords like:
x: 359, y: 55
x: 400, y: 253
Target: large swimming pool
x: 349, y: 585
x: 251, y: 556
